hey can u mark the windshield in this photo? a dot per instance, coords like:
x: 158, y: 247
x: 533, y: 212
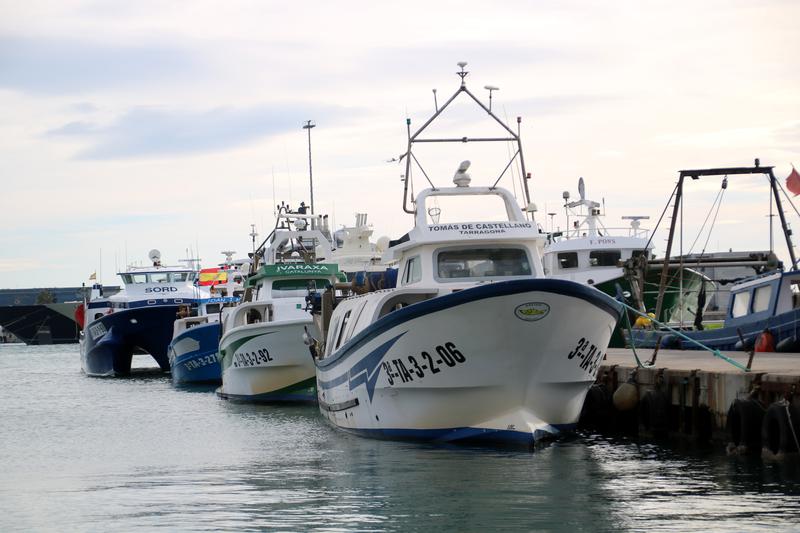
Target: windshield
x: 483, y: 263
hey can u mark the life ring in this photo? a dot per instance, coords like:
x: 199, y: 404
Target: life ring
x: 780, y: 429
x: 654, y: 413
x: 744, y: 426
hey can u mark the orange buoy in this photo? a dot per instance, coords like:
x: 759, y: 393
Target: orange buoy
x: 80, y: 315
x: 765, y: 341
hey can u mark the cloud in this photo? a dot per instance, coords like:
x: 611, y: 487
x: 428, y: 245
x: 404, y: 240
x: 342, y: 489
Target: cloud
x: 57, y: 66
x: 157, y: 132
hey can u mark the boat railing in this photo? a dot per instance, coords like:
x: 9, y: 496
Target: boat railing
x: 604, y: 233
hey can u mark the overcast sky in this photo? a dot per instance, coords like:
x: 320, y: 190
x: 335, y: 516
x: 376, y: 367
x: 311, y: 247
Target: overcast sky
x: 175, y: 125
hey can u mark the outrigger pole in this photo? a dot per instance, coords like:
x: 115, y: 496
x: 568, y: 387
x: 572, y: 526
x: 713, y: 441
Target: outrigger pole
x: 695, y: 174
x: 413, y: 138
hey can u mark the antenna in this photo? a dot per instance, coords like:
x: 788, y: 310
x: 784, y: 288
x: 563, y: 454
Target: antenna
x: 307, y: 126
x: 435, y: 102
x: 491, y: 88
x: 581, y: 189
x: 463, y: 73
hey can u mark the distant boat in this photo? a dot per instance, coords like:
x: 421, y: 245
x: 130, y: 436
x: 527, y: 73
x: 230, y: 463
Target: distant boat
x: 261, y: 348
x: 194, y: 350
x: 593, y: 254
x: 137, y: 319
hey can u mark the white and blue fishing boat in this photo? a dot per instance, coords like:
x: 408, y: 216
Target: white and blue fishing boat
x: 137, y: 319
x: 474, y: 344
x: 194, y: 350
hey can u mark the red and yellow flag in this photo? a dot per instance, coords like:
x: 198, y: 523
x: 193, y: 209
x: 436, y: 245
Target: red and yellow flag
x: 212, y: 276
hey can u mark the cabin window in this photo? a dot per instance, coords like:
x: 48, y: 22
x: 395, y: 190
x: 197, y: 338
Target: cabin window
x: 568, y: 260
x: 339, y: 338
x: 761, y: 297
x: 741, y: 304
x: 483, y: 262
x: 604, y: 258
x: 212, y: 309
x: 130, y: 279
x: 159, y: 277
x: 413, y: 272
x: 179, y: 277
x: 285, y: 288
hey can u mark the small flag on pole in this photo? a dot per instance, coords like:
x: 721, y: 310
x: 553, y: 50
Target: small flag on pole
x: 93, y: 276
x: 793, y: 181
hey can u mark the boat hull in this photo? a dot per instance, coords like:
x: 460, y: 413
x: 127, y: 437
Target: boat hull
x: 506, y: 362
x: 267, y: 362
x: 783, y: 326
x: 108, y: 343
x: 193, y: 355
x: 41, y: 323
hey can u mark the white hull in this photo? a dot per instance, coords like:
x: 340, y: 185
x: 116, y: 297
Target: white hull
x: 510, y: 377
x: 267, y: 361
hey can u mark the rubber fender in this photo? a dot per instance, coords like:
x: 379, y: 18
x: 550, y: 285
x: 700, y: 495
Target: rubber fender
x: 788, y: 345
x: 780, y: 428
x: 765, y: 342
x: 654, y: 412
x: 744, y: 424
x: 749, y: 342
x: 596, y: 411
x: 626, y: 397
x: 670, y: 342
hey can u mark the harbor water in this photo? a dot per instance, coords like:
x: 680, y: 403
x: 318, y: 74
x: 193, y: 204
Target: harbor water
x: 84, y: 454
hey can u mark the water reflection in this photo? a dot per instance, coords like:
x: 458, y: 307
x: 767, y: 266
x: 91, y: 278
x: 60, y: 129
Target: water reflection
x: 137, y: 454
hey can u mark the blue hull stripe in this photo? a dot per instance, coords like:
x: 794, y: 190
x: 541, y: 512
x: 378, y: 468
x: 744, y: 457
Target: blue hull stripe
x: 462, y: 434
x: 481, y: 292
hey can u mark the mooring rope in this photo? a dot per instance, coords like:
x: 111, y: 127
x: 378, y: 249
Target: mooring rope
x: 714, y: 352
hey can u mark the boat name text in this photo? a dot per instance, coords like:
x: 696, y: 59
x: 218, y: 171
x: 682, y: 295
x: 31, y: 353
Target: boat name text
x: 160, y: 289
x: 480, y: 228
x: 405, y: 369
x: 200, y: 362
x: 588, y: 354
x: 246, y: 359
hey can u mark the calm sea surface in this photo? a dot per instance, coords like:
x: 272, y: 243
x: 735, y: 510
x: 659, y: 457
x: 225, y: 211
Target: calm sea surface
x: 83, y: 454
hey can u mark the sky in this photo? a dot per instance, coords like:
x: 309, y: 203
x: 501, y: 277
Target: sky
x: 176, y: 125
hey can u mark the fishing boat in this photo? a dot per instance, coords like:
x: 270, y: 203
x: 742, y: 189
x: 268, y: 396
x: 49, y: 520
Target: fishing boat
x: 139, y: 318
x: 261, y: 351
x: 592, y: 253
x: 763, y: 307
x: 474, y: 344
x: 193, y: 352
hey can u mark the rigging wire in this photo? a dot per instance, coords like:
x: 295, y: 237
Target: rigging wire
x: 653, y: 233
x: 718, y: 198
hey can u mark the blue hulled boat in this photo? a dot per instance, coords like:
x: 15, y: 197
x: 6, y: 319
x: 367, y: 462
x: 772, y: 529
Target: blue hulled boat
x: 193, y: 352
x: 138, y: 319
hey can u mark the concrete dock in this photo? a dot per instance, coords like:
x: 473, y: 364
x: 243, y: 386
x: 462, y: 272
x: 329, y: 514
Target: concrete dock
x: 697, y: 396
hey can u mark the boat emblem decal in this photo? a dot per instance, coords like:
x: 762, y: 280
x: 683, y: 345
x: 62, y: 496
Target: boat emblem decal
x: 532, y: 311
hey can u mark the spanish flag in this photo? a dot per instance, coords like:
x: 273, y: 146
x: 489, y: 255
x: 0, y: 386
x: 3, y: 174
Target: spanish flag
x: 212, y: 276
